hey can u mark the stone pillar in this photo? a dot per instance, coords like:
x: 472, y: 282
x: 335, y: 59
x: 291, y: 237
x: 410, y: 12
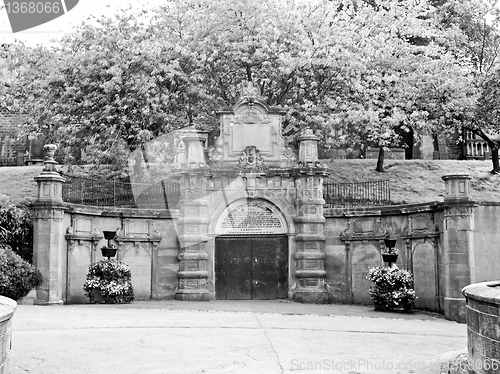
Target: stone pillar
x: 49, y: 244
x: 193, y: 152
x: 458, y: 244
x: 308, y: 147
x: 192, y: 234
x: 310, y: 238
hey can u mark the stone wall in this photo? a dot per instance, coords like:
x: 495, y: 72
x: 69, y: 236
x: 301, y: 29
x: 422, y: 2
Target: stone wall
x: 483, y: 326
x: 11, y: 148
x: 355, y: 242
x: 171, y: 253
x: 487, y: 235
x: 7, y: 308
x: 146, y: 241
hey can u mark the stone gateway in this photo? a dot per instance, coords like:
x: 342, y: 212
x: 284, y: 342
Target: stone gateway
x: 251, y: 223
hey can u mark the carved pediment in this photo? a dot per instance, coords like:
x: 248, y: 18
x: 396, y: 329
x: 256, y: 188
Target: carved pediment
x: 82, y: 229
x: 364, y: 229
x: 421, y: 225
x: 251, y: 121
x: 137, y: 231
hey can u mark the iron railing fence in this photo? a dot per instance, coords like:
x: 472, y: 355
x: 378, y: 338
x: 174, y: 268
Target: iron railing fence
x: 356, y: 194
x: 165, y: 194
x: 88, y: 191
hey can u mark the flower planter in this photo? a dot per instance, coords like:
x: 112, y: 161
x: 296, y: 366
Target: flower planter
x: 96, y: 296
x: 109, y: 281
x: 108, y: 252
x: 392, y: 290
x: 390, y: 243
x: 389, y: 257
x: 406, y: 308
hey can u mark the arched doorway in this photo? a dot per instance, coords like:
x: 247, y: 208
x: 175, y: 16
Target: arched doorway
x: 251, y: 253
x: 251, y: 268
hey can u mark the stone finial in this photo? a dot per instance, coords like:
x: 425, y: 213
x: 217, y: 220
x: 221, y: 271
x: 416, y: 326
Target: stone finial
x: 49, y: 162
x: 457, y: 187
x: 249, y: 90
x: 49, y: 181
x: 308, y: 146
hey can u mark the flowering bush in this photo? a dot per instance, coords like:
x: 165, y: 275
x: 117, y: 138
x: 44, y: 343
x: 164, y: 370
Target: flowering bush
x: 17, y: 276
x: 392, y: 287
x: 392, y: 251
x: 112, y: 278
x: 16, y: 228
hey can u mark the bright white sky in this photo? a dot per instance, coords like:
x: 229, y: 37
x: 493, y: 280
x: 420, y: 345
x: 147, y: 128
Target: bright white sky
x: 56, y: 27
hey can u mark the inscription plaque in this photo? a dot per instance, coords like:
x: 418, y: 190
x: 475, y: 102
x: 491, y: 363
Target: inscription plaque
x: 252, y: 218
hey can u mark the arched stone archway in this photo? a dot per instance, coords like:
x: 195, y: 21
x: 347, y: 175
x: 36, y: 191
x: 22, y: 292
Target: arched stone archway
x: 251, y: 252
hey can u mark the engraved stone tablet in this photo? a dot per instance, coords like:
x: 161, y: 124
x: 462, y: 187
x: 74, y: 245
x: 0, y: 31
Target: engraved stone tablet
x: 252, y: 218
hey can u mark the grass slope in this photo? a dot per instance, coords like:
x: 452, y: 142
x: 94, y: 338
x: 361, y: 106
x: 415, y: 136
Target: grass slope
x: 419, y: 181
x: 17, y: 183
x: 412, y: 181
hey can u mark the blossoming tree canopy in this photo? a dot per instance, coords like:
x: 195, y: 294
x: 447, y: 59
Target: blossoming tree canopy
x: 370, y: 70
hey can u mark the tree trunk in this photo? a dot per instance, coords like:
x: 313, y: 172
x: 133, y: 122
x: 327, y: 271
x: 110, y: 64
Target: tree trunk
x: 249, y: 73
x: 494, y: 150
x: 494, y: 159
x: 380, y: 161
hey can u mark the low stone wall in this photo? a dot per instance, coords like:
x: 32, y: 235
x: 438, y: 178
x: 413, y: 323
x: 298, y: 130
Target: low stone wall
x: 483, y: 327
x: 7, y: 308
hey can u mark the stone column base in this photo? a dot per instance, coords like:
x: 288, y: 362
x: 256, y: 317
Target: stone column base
x: 194, y: 295
x: 311, y: 296
x: 455, y: 309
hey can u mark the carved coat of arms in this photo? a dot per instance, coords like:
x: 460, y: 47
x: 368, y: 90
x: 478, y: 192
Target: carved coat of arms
x: 251, y: 159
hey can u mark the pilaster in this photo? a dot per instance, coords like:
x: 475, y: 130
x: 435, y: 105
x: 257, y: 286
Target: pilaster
x: 458, y: 245
x: 193, y: 238
x: 49, y: 244
x: 309, y: 220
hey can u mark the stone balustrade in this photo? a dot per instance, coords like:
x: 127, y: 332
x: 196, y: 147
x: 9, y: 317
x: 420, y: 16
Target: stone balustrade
x: 476, y: 148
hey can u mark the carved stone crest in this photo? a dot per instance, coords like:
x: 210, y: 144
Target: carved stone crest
x: 251, y: 159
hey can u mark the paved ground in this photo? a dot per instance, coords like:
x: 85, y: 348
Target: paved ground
x: 221, y: 337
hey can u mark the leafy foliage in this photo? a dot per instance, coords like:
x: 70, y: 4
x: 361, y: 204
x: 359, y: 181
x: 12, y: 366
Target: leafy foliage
x: 392, y: 287
x: 16, y: 228
x: 112, y: 278
x: 472, y: 29
x: 17, y: 276
x: 356, y: 72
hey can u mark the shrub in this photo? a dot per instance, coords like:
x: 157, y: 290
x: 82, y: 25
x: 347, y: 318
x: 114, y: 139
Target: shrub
x: 17, y: 276
x: 112, y: 278
x: 393, y: 287
x: 16, y: 228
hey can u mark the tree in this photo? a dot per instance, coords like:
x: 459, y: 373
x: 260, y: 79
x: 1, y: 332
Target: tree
x: 473, y: 36
x: 405, y: 78
x: 115, y: 84
x: 106, y: 89
x: 487, y: 123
